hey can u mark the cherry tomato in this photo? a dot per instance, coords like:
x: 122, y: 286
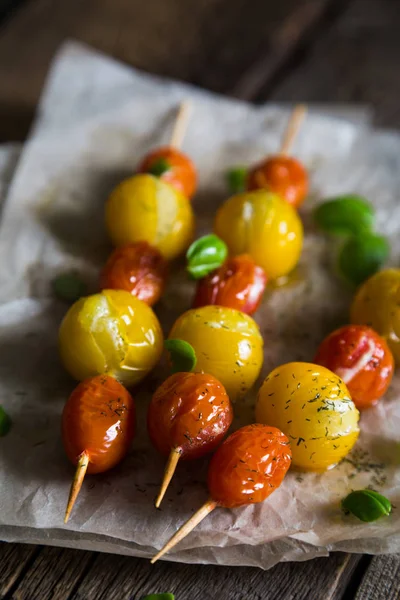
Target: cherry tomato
x: 362, y: 359
x: 239, y: 283
x: 227, y: 343
x: 249, y: 465
x: 146, y: 208
x: 99, y: 418
x: 137, y: 268
x: 313, y: 407
x: 190, y: 412
x: 263, y: 225
x: 282, y: 175
x: 173, y: 166
x: 377, y: 304
x: 112, y: 332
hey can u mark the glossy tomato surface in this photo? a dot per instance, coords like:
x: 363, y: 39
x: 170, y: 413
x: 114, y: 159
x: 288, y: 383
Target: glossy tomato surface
x: 239, y: 283
x: 112, y: 332
x: 263, y: 225
x: 99, y: 418
x: 146, y: 208
x: 313, y: 407
x: 173, y: 166
x: 362, y: 359
x: 190, y: 412
x: 249, y: 465
x: 137, y: 268
x: 282, y: 175
x: 227, y: 343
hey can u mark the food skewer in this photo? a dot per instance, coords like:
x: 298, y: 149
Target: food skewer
x: 292, y: 129
x: 181, y: 124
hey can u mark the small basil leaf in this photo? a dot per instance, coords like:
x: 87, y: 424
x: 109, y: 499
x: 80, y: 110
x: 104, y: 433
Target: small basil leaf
x: 362, y: 256
x: 367, y: 505
x: 69, y: 287
x: 344, y: 215
x: 236, y: 179
x: 159, y: 597
x: 205, y: 255
x: 5, y: 422
x: 182, y: 355
x: 159, y: 167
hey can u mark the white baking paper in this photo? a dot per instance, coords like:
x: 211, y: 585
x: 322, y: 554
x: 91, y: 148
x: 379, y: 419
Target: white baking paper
x: 96, y: 120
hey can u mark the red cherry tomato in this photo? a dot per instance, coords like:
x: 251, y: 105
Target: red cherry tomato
x: 190, y: 412
x: 99, y: 419
x: 362, y: 359
x: 137, y: 268
x: 173, y: 166
x: 283, y: 175
x: 239, y: 283
x: 249, y: 465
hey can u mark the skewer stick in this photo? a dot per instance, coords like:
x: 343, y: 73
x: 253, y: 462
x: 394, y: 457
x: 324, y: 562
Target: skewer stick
x: 293, y: 127
x: 76, y: 485
x: 181, y: 123
x: 173, y: 458
x: 186, y: 528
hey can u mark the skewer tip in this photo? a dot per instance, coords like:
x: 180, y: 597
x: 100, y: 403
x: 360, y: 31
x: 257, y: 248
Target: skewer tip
x: 172, y: 462
x: 76, y: 485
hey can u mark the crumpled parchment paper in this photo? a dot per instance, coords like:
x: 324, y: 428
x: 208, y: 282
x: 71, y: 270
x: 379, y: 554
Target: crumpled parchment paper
x: 96, y: 120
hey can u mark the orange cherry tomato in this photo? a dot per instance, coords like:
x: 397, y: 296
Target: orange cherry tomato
x: 239, y: 283
x: 283, y: 175
x: 138, y: 268
x: 190, y: 412
x: 362, y: 359
x: 249, y: 465
x: 98, y: 418
x: 173, y: 166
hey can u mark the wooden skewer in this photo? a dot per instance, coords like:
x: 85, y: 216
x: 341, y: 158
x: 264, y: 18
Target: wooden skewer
x: 173, y: 458
x: 186, y: 528
x: 181, y: 123
x: 293, y: 127
x: 76, y: 485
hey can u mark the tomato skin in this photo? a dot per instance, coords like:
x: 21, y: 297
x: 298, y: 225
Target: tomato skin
x: 282, y: 175
x: 190, y: 412
x: 137, y: 268
x: 181, y: 173
x: 249, y: 465
x: 239, y: 283
x: 362, y: 359
x: 99, y: 418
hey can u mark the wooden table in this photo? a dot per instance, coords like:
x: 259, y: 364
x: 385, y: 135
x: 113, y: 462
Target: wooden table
x: 291, y: 50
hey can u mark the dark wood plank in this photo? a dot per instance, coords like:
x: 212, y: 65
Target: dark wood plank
x: 381, y: 580
x: 14, y: 558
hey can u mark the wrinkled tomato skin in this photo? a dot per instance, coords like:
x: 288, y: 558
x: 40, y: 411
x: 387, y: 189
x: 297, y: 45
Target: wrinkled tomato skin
x: 138, y: 268
x: 282, y: 175
x: 190, y: 412
x: 362, y: 359
x: 181, y: 173
x: 249, y: 465
x: 98, y: 417
x: 239, y: 283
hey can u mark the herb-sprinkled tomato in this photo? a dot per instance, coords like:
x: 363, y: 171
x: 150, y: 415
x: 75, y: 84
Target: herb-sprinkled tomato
x: 282, y: 175
x: 173, y: 166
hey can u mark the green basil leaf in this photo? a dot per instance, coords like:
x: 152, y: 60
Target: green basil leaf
x: 362, y: 256
x: 159, y: 167
x: 159, y: 597
x: 205, y: 255
x: 5, y: 422
x: 182, y: 354
x: 367, y: 505
x: 69, y: 287
x: 236, y: 179
x: 345, y: 215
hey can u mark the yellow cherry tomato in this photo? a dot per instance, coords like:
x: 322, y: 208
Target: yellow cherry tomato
x: 263, y: 225
x: 146, y: 208
x: 227, y: 343
x: 112, y: 332
x: 313, y: 407
x: 377, y: 304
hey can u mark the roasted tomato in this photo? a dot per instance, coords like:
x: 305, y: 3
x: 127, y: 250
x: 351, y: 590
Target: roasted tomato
x: 263, y: 225
x: 239, y: 283
x: 138, y: 269
x: 282, y: 175
x: 313, y: 407
x: 362, y: 359
x: 174, y: 167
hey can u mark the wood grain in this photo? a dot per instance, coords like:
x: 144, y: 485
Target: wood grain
x: 14, y: 559
x: 382, y: 579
